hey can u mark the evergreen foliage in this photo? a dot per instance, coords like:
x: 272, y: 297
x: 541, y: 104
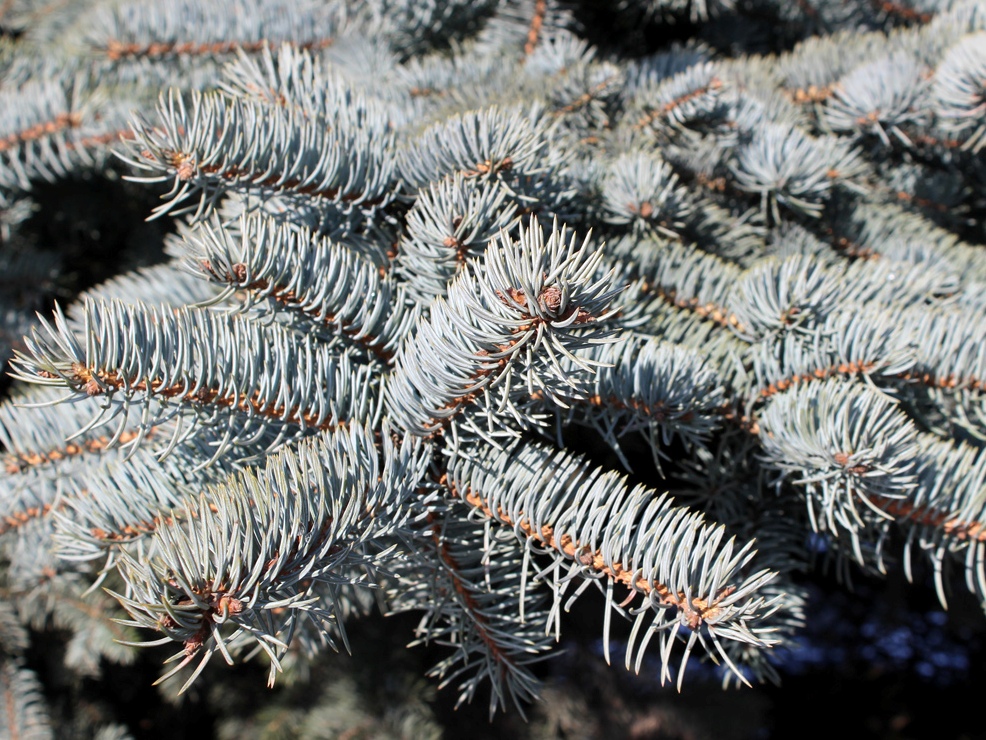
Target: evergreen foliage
x: 420, y: 249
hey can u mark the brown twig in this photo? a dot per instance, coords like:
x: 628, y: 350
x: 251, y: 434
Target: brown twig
x: 117, y: 50
x: 709, y: 311
x: 186, y: 168
x: 61, y: 122
x: 534, y: 29
x: 714, y: 84
x: 94, y: 383
x: 19, y: 462
x: 453, y: 569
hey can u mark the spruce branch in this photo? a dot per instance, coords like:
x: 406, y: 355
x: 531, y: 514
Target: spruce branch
x: 241, y: 565
x: 691, y: 97
x: 883, y: 97
x: 945, y: 517
x: 475, y: 569
x: 164, y: 362
x: 782, y: 293
x: 18, y: 463
x: 25, y: 713
x: 643, y: 191
x: 851, y: 342
x: 848, y: 447
x: 959, y: 92
x: 525, y: 305
x: 51, y: 127
x: 597, y: 528
x: 452, y: 220
x: 786, y: 168
x: 32, y: 431
x: 219, y: 144
x: 182, y: 28
x: 775, y: 298
x: 695, y: 281
x: 521, y: 27
x: 65, y: 599
x: 511, y: 147
x: 123, y: 503
x: 643, y: 384
x: 298, y: 272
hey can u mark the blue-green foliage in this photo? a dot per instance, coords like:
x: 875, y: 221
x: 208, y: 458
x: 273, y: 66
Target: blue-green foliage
x: 420, y: 247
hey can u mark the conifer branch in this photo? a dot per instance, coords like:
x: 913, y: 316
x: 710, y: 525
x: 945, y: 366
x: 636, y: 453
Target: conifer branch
x: 695, y: 281
x: 61, y: 122
x: 24, y: 712
x: 306, y: 275
x: 316, y: 514
x: 534, y: 29
x: 136, y: 355
x: 687, y: 96
x: 116, y: 50
x: 951, y: 525
x: 14, y: 519
x: 22, y: 461
x: 495, y: 635
x: 781, y: 300
x: 221, y: 144
x: 526, y: 300
x: 715, y: 598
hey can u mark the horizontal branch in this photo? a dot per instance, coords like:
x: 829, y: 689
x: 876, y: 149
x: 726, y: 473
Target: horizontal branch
x: 61, y: 122
x: 186, y: 169
x: 714, y: 84
x: 950, y: 524
x: 287, y: 298
x: 822, y: 373
x: 16, y: 519
x: 22, y: 461
x: 117, y: 50
x: 710, y: 311
x: 930, y: 380
x: 100, y: 382
x: 946, y: 382
x: 695, y: 609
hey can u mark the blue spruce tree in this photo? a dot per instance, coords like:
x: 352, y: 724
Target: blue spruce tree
x: 418, y: 252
